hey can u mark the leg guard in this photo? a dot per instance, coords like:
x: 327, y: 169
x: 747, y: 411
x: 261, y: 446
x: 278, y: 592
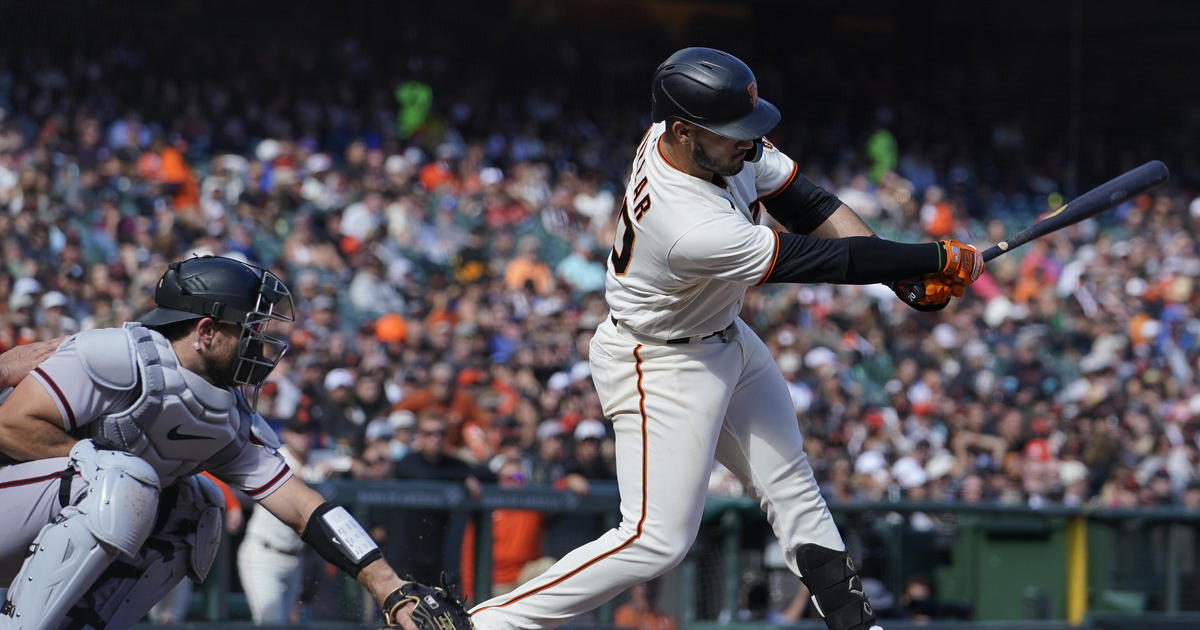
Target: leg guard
x: 184, y: 542
x: 114, y: 517
x: 199, y: 516
x: 126, y: 591
x: 836, y: 588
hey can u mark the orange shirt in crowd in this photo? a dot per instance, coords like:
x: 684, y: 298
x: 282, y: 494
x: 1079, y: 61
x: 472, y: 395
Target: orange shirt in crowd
x: 522, y: 270
x: 516, y: 541
x: 628, y: 616
x: 459, y: 413
x: 168, y: 166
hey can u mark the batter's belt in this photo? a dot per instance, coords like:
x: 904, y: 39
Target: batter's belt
x: 723, y: 334
x: 277, y: 549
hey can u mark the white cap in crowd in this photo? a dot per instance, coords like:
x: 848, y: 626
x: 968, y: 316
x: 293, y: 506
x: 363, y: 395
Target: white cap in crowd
x: 338, y: 377
x: 590, y: 429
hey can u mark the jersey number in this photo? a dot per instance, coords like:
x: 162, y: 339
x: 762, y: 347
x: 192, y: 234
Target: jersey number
x: 620, y: 260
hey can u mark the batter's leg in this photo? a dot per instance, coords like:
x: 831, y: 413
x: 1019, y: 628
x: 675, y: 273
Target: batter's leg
x: 667, y: 407
x: 761, y: 443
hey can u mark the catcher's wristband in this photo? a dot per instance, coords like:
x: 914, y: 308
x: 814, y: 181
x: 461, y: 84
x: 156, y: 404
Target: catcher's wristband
x: 392, y: 604
x: 339, y: 539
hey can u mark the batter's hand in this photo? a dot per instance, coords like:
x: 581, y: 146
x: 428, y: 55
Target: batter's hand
x: 16, y: 362
x: 961, y: 263
x: 927, y: 293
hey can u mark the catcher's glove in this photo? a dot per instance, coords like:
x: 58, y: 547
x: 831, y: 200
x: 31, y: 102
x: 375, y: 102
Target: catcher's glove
x: 436, y: 608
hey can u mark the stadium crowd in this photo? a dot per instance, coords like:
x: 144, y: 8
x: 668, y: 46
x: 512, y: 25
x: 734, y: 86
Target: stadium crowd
x: 448, y: 268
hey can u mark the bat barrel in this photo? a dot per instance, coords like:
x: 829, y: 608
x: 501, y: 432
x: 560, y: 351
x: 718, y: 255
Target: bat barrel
x: 1090, y: 203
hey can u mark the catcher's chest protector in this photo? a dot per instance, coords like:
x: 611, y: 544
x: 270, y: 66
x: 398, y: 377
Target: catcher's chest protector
x: 180, y: 423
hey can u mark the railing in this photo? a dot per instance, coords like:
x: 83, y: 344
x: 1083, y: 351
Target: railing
x: 1049, y: 567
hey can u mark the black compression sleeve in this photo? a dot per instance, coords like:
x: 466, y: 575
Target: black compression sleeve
x: 851, y: 260
x: 801, y: 206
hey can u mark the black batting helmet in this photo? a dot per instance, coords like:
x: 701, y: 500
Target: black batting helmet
x: 227, y: 290
x: 713, y: 90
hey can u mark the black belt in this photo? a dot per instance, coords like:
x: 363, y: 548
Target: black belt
x: 287, y: 552
x: 723, y: 334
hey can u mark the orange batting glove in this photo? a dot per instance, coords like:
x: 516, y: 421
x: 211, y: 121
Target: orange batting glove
x: 927, y: 293
x: 937, y: 288
x: 961, y: 264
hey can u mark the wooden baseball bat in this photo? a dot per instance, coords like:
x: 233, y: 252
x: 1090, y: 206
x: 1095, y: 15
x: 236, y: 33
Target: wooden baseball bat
x: 1090, y: 203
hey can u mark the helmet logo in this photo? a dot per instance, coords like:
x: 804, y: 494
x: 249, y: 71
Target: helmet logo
x: 752, y: 90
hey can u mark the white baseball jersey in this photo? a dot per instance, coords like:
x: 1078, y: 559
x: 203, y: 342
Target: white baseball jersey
x: 688, y: 249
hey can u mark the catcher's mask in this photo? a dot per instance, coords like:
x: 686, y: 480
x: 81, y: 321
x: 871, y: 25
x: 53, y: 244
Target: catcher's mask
x: 228, y: 290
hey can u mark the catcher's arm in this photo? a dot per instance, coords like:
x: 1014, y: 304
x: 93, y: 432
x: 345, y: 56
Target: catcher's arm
x: 343, y: 542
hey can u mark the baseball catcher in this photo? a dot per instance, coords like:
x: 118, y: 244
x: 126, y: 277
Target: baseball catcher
x: 101, y: 447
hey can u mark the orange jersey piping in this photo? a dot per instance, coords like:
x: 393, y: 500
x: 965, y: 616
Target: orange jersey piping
x: 792, y: 176
x: 774, y: 258
x: 641, y: 521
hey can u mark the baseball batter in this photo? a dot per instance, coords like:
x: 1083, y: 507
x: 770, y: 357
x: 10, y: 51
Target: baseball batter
x: 102, y: 443
x: 683, y: 378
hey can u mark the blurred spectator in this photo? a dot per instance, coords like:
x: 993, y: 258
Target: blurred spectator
x: 403, y: 423
x: 588, y: 462
x: 375, y: 460
x: 581, y: 270
x: 420, y: 539
x: 449, y: 400
x: 516, y: 542
x: 917, y: 602
x: 527, y: 271
x: 338, y: 415
x: 548, y: 464
x: 641, y: 611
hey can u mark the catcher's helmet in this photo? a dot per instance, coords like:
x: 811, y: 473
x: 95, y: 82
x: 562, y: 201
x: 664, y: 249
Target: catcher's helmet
x: 230, y: 291
x: 714, y: 90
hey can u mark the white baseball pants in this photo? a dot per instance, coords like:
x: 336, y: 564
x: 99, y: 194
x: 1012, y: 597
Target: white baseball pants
x: 675, y: 408
x: 271, y: 579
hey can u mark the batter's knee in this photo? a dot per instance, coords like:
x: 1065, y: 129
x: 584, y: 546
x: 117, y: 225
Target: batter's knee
x: 675, y: 552
x: 663, y: 554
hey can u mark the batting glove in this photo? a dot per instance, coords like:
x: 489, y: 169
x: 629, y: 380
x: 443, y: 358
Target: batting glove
x: 961, y: 263
x: 928, y: 293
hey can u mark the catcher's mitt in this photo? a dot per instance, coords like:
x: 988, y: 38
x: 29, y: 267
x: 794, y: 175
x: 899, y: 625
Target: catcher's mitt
x: 436, y: 607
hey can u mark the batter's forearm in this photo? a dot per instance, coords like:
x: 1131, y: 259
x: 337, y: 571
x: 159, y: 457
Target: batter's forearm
x: 851, y: 260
